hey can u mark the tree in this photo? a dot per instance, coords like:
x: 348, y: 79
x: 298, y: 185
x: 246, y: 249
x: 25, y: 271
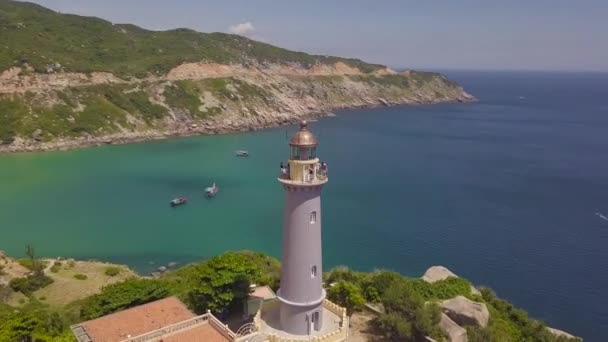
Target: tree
x: 121, y: 296
x: 29, y: 251
x: 222, y: 283
x: 347, y: 295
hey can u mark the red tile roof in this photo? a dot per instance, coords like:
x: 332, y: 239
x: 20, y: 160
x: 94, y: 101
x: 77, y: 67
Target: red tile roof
x: 137, y: 321
x: 200, y: 333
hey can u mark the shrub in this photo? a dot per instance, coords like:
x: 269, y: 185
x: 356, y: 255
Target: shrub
x: 347, y: 295
x: 371, y: 294
x: 33, y: 264
x: 56, y: 267
x: 80, y: 276
x: 222, y: 283
x: 112, y: 271
x: 407, y: 316
x: 444, y: 289
x: 121, y: 296
x: 30, y: 283
x: 71, y: 264
x: 2, y: 272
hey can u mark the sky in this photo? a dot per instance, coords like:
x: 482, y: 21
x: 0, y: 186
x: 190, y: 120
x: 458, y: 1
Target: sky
x: 564, y: 35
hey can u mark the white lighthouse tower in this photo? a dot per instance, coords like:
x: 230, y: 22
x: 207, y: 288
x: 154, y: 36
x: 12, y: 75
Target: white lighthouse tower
x: 301, y: 293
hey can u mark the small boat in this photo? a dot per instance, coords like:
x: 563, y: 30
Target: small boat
x: 242, y: 153
x: 212, y: 190
x: 178, y: 201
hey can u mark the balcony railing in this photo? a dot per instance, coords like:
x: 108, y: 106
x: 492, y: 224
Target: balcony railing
x: 319, y: 174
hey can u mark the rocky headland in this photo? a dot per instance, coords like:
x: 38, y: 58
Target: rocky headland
x: 63, y: 111
x: 68, y: 81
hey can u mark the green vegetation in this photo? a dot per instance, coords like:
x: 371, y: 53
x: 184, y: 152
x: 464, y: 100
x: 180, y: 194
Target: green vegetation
x: 80, y: 276
x: 36, y: 280
x: 33, y: 265
x: 49, y: 40
x: 112, y: 271
x: 347, y: 295
x: 407, y: 317
x: 222, y: 283
x: 120, y: 296
x: 34, y: 322
x: 91, y: 110
x: 509, y: 324
x: 11, y: 111
x: 30, y: 283
x: 185, y: 96
x: 56, y: 267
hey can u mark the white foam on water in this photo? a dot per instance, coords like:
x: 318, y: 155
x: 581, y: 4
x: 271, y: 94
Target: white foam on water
x: 602, y: 216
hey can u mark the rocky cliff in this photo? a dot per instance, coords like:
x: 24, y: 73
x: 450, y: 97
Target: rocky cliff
x: 68, y: 81
x: 40, y: 112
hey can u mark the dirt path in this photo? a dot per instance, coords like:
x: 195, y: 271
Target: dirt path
x: 359, y: 327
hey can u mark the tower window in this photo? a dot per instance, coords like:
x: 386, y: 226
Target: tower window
x: 313, y: 272
x: 313, y: 217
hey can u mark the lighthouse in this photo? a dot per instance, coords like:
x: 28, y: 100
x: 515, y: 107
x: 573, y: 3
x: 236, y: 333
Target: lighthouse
x: 301, y: 292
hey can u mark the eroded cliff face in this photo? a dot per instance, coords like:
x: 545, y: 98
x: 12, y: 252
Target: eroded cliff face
x: 67, y: 110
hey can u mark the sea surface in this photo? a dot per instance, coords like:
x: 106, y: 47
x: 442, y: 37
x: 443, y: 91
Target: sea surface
x: 510, y: 192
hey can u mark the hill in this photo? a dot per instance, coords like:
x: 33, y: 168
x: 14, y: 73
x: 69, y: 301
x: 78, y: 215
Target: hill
x: 68, y: 81
x: 41, y: 37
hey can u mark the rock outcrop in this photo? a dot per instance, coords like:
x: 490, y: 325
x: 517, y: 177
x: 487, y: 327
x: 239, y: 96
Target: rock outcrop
x: 560, y: 333
x: 466, y: 312
x: 438, y: 273
x: 453, y: 331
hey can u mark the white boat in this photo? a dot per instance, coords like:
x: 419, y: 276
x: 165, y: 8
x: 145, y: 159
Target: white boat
x: 212, y: 190
x: 242, y: 153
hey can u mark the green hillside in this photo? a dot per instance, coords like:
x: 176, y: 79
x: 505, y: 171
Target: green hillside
x: 38, y: 36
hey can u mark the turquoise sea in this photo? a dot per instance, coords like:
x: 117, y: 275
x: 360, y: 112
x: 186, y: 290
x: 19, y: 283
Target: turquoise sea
x: 510, y: 192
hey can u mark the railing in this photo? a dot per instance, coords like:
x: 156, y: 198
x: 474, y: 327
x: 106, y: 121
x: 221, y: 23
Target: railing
x: 338, y: 335
x: 155, y: 334
x: 221, y: 327
x: 319, y: 173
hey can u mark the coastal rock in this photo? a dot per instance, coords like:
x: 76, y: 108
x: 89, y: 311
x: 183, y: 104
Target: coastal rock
x: 466, y: 312
x: 37, y: 135
x: 383, y: 102
x: 560, y: 333
x: 438, y: 273
x: 162, y: 268
x: 453, y: 331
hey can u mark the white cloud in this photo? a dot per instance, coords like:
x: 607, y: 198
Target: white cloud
x: 243, y: 29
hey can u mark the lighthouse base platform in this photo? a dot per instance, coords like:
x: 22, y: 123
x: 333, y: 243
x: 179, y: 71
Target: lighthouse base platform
x: 267, y: 322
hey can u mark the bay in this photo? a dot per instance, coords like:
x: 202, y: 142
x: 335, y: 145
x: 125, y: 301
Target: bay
x: 508, y: 192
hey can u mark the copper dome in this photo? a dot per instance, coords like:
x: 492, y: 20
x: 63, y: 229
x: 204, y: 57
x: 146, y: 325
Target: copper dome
x: 303, y: 137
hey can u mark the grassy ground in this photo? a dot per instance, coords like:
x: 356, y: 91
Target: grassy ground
x: 67, y: 289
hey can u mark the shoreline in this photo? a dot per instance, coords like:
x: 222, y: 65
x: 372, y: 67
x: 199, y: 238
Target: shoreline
x: 207, y: 128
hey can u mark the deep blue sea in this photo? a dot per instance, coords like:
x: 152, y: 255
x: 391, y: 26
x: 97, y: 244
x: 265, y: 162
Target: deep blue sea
x: 510, y: 192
